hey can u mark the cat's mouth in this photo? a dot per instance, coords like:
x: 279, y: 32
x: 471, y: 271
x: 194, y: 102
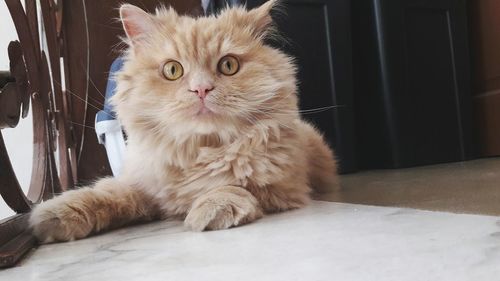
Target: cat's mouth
x: 204, y: 110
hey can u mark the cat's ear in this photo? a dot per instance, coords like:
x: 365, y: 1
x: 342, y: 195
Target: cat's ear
x: 136, y: 22
x: 261, y: 17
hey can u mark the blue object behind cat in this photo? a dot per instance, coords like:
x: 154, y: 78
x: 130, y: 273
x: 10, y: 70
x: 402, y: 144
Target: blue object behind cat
x: 108, y: 129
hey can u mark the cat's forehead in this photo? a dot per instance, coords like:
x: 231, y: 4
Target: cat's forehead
x: 204, y: 38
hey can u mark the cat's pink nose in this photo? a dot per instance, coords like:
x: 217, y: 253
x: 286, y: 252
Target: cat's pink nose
x: 202, y: 90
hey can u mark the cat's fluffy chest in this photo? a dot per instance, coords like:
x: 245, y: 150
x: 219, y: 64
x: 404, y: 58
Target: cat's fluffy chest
x: 257, y: 157
x: 256, y: 160
x: 177, y: 174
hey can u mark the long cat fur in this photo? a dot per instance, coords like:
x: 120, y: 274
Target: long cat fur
x: 252, y: 155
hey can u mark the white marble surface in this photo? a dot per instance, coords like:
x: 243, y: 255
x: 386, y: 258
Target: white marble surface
x: 326, y: 241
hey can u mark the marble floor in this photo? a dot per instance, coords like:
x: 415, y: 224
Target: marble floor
x: 325, y: 241
x: 437, y: 222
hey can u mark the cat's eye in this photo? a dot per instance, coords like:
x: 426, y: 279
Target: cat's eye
x: 228, y: 65
x: 172, y: 70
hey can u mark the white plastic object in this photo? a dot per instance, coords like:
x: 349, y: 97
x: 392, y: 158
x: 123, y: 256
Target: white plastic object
x: 109, y: 133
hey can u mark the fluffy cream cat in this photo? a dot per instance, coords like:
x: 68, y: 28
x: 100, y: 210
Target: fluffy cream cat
x: 214, y: 132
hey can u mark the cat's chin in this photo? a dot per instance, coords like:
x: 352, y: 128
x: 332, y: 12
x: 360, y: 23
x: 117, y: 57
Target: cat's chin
x: 209, y: 123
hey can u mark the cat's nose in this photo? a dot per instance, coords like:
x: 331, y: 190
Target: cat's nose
x: 202, y: 90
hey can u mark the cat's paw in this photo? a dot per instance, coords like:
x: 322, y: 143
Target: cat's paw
x: 61, y: 219
x: 211, y: 215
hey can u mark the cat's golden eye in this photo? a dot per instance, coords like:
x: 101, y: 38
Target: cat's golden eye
x: 172, y: 70
x: 228, y: 65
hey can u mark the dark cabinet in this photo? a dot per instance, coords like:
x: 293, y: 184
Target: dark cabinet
x: 318, y: 35
x: 412, y: 82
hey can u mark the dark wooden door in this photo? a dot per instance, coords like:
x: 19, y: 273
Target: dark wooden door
x: 484, y: 19
x: 318, y: 34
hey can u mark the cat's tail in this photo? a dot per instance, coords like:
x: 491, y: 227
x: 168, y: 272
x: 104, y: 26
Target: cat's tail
x: 322, y: 167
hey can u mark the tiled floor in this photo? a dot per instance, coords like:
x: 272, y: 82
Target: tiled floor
x: 325, y: 241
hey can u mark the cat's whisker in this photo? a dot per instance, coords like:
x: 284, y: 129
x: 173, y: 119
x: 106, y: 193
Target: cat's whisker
x: 80, y: 98
x: 84, y: 101
x: 95, y: 87
x: 86, y: 126
x: 288, y: 111
x: 321, y: 108
x: 86, y: 71
x: 279, y: 123
x: 257, y: 110
x: 311, y: 110
x: 271, y: 117
x: 94, y: 100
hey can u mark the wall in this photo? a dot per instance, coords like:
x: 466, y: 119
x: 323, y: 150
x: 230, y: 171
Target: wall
x: 484, y: 33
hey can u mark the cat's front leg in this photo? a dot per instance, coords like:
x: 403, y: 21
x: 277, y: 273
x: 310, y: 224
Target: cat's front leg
x: 76, y: 214
x: 222, y: 208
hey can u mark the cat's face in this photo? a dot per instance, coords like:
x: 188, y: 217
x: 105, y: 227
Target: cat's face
x: 201, y: 76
